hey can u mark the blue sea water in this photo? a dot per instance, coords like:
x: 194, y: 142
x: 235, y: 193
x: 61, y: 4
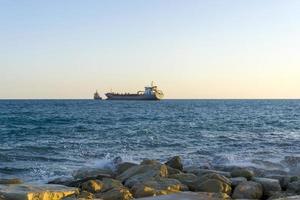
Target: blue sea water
x: 42, y: 139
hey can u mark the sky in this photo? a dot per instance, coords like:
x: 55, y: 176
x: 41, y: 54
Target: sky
x: 196, y: 49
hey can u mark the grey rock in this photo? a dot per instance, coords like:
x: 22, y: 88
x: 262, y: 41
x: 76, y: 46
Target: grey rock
x: 246, y: 173
x: 175, y: 163
x: 269, y: 185
x: 248, y: 190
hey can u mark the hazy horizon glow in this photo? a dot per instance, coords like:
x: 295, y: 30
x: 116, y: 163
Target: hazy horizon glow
x: 191, y: 49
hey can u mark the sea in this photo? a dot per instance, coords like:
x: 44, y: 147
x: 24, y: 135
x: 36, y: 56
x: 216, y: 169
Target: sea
x: 44, y: 139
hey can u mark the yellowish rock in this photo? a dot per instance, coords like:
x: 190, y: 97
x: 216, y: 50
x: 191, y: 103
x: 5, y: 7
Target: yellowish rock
x: 160, y: 186
x: 36, y: 192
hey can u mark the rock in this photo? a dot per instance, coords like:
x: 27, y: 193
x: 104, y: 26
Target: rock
x: 36, y: 192
x: 213, y: 185
x: 294, y: 187
x: 248, y: 174
x: 237, y: 180
x: 61, y: 181
x: 200, y: 172
x: 120, y: 193
x: 190, y: 196
x: 11, y: 181
x: 213, y: 176
x: 172, y: 171
x: 248, y: 190
x: 124, y: 166
x: 92, y: 186
x: 269, y: 185
x: 109, y: 184
x: 142, y: 173
x: 150, y: 162
x: 175, y: 163
x: 283, y: 180
x: 93, y: 173
x: 187, y: 179
x: 159, y: 186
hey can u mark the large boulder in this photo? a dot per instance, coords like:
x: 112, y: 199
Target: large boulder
x: 213, y: 185
x: 116, y: 193
x: 248, y: 190
x: 92, y: 186
x: 142, y: 173
x: 213, y: 176
x: 36, y: 192
x: 175, y: 163
x: 122, y: 167
x: 269, y: 185
x: 159, y: 186
x: 186, y: 179
x: 109, y: 184
x: 200, y: 172
x: 93, y: 173
x: 246, y: 173
x: 190, y: 196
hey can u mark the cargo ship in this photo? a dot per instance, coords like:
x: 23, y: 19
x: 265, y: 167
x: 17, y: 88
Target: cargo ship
x: 150, y: 93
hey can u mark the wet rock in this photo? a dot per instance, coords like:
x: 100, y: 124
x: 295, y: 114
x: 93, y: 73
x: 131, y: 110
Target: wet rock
x: 248, y: 190
x: 172, y: 171
x: 92, y: 186
x: 36, y: 192
x: 118, y: 193
x: 294, y: 187
x: 11, y: 181
x: 93, y: 172
x: 159, y: 186
x: 237, y: 180
x: 269, y: 185
x: 124, y: 166
x: 142, y: 173
x: 190, y: 196
x: 109, y: 184
x: 61, y: 181
x: 186, y: 179
x: 246, y: 173
x: 175, y: 163
x: 200, y: 172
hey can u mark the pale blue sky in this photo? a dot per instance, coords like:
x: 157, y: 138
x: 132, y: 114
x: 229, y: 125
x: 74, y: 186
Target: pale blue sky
x: 190, y: 48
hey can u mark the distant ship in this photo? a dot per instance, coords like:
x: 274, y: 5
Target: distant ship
x: 150, y: 93
x: 97, y: 96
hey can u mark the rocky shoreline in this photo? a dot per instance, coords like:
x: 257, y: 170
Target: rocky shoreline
x: 161, y: 181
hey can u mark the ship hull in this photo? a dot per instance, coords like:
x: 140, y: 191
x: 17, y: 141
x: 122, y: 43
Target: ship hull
x: 132, y: 97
